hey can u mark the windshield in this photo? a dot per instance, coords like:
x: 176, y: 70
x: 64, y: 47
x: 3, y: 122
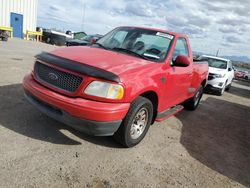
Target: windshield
x: 216, y: 63
x: 143, y: 43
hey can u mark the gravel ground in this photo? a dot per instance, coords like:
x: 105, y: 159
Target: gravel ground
x: 209, y: 147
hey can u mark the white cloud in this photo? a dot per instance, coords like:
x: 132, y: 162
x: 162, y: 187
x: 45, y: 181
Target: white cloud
x: 233, y: 39
x: 210, y: 24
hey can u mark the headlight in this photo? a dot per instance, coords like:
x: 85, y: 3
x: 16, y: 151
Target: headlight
x: 105, y: 90
x: 219, y: 75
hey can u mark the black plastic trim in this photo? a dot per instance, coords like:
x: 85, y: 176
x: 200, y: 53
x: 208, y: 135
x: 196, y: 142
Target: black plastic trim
x: 199, y: 61
x: 77, y: 67
x: 211, y: 88
x: 90, y: 127
x: 168, y: 112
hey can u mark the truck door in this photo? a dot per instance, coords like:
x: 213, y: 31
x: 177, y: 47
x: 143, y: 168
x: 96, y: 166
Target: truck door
x: 179, y: 78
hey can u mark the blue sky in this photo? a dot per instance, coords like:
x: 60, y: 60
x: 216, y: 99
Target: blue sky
x: 210, y: 25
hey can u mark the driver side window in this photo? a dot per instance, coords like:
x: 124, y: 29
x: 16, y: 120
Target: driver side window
x: 181, y: 48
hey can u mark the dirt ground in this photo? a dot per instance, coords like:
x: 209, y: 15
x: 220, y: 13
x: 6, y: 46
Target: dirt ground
x: 209, y: 147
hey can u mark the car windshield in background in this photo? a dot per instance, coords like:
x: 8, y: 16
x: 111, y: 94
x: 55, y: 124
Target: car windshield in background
x: 79, y: 35
x: 216, y: 63
x: 87, y: 38
x: 142, y: 43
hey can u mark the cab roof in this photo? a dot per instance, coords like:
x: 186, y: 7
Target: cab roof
x: 159, y: 30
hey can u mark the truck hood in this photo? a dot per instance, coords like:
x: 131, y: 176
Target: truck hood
x: 217, y: 71
x: 111, y: 61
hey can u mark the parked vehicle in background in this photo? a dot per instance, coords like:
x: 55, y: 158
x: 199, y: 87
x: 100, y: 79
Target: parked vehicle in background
x: 79, y: 35
x: 120, y: 85
x: 87, y: 40
x: 55, y: 37
x: 4, y: 35
x: 221, y: 74
x: 239, y: 74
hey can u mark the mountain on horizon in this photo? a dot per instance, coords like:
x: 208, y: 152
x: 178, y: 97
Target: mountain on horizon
x: 244, y: 59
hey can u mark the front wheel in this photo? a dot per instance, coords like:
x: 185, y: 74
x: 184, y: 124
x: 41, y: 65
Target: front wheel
x: 221, y: 92
x: 192, y: 103
x: 228, y: 87
x: 136, y: 123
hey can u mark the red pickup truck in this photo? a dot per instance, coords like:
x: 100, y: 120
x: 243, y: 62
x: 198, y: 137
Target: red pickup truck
x: 120, y: 85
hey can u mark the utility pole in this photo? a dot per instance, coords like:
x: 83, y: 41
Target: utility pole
x: 217, y: 53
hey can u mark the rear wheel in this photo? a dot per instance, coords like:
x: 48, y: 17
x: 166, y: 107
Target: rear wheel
x: 136, y: 123
x: 246, y: 77
x: 192, y: 103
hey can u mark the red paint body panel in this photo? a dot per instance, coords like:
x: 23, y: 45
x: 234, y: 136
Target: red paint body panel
x: 77, y: 107
x: 137, y: 76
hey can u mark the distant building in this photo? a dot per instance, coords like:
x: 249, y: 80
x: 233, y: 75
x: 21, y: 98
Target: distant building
x: 21, y: 15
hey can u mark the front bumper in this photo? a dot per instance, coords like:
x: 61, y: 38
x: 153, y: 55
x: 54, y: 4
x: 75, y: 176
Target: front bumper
x: 216, y: 83
x: 211, y: 88
x: 91, y: 117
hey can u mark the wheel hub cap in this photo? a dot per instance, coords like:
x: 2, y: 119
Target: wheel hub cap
x: 139, y: 123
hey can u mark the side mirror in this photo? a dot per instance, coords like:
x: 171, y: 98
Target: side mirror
x: 229, y: 69
x: 93, y: 41
x: 181, y: 61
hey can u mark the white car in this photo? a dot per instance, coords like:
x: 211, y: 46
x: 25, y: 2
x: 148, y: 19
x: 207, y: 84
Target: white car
x: 221, y: 74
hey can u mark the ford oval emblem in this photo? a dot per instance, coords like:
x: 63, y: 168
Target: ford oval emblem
x: 52, y: 76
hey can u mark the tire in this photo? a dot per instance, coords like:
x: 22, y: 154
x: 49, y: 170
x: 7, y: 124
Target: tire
x: 246, y: 77
x: 221, y: 92
x: 193, y: 103
x: 5, y: 36
x: 228, y: 87
x: 52, y: 42
x: 128, y: 133
x: 48, y: 40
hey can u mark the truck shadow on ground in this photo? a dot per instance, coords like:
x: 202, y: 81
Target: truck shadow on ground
x: 19, y: 116
x: 218, y: 135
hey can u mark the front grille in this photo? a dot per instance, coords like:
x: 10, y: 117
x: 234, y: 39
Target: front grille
x: 57, y: 78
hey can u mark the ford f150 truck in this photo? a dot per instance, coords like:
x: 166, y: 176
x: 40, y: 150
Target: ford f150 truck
x: 120, y: 85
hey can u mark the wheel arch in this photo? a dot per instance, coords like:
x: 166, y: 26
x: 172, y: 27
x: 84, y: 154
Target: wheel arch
x: 153, y: 97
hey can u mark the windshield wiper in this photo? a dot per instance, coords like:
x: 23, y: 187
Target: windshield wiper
x: 129, y: 52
